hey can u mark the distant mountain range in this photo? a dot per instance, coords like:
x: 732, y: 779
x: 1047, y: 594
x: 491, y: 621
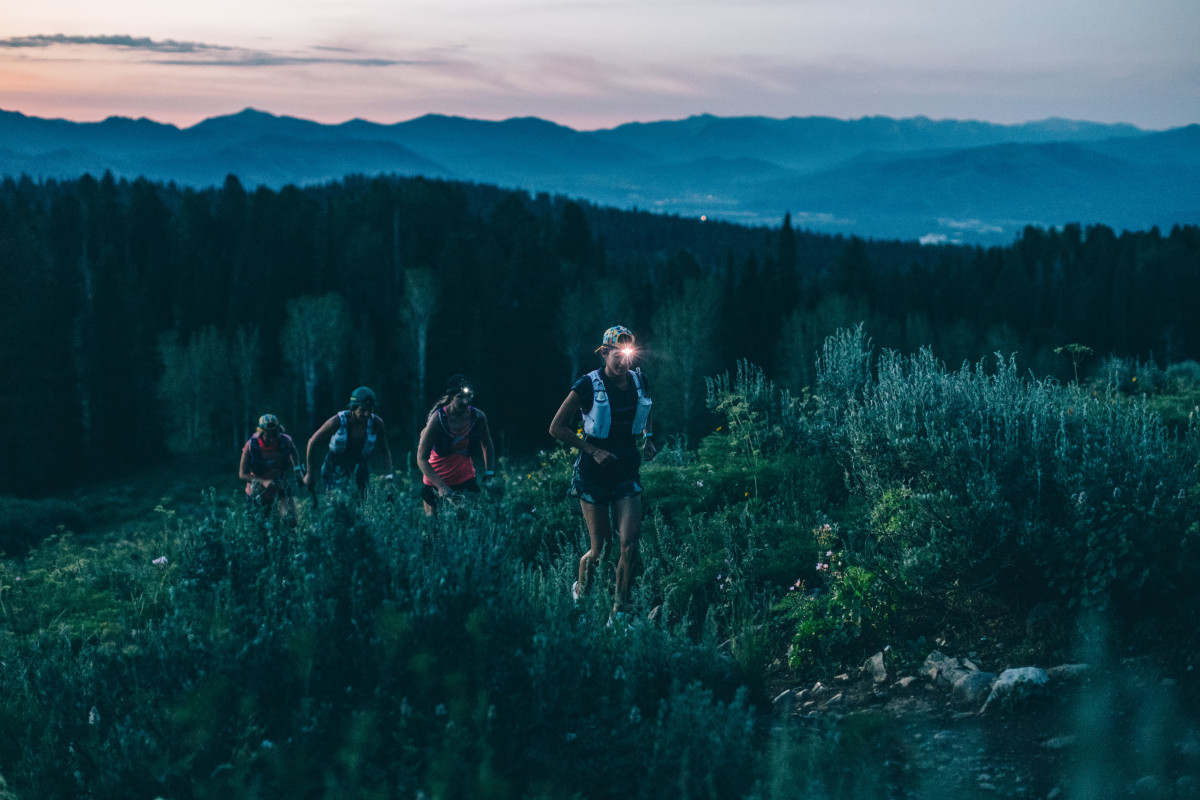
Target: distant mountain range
x: 876, y: 177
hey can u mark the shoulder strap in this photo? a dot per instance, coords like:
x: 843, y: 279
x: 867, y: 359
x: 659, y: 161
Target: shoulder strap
x: 639, y: 382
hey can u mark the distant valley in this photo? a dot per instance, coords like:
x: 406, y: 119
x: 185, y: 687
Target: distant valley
x: 934, y: 181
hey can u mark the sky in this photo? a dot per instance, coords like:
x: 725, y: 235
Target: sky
x: 593, y: 64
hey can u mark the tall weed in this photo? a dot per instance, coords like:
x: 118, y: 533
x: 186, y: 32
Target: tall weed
x: 980, y: 483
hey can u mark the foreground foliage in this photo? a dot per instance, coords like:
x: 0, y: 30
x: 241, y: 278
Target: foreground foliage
x: 373, y: 652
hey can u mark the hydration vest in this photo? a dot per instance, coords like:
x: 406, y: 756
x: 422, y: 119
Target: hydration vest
x: 341, y: 437
x: 598, y: 420
x: 445, y: 442
x: 260, y: 464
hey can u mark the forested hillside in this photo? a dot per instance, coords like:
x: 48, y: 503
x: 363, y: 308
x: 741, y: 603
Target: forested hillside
x: 139, y: 316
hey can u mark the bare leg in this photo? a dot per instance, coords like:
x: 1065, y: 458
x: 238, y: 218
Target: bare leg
x: 600, y: 534
x: 629, y: 529
x: 287, y: 511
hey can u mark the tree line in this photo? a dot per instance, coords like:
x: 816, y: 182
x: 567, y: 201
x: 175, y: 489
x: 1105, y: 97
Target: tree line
x: 141, y: 318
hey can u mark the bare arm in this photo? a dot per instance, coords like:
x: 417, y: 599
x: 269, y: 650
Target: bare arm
x: 381, y: 441
x: 244, y: 467
x: 424, y: 448
x: 649, y: 448
x: 485, y: 444
x: 560, y: 428
x: 315, y: 442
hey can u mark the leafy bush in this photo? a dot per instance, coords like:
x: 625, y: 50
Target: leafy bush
x: 373, y: 651
x: 981, y: 483
x: 844, y: 615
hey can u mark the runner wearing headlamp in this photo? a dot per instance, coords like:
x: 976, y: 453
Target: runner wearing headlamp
x: 454, y: 430
x: 615, y: 405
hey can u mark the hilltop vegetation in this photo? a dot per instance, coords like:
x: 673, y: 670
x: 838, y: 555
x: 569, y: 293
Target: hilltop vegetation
x: 373, y: 652
x: 871, y: 494
x: 141, y: 317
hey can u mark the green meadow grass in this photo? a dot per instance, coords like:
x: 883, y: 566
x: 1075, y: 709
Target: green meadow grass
x: 157, y: 642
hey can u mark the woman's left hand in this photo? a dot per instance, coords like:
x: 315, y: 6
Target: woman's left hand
x: 649, y: 449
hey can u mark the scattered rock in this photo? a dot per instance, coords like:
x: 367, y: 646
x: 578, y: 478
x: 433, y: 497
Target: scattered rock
x: 943, y: 669
x: 843, y: 678
x: 1015, y: 686
x: 1150, y: 786
x: 973, y: 688
x: 781, y: 698
x: 1068, y: 673
x: 1189, y: 747
x: 904, y: 682
x: 1060, y: 742
x: 876, y: 668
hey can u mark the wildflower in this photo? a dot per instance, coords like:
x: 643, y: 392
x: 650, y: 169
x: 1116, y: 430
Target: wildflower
x: 699, y: 483
x: 797, y: 586
x: 828, y: 553
x: 161, y: 560
x: 822, y: 567
x: 94, y: 716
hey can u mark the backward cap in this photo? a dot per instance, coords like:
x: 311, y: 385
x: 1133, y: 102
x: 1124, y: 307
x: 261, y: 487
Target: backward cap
x: 362, y: 396
x: 613, y: 336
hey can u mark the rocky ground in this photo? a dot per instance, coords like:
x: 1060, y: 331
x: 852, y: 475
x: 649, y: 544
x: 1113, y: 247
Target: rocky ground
x: 953, y: 730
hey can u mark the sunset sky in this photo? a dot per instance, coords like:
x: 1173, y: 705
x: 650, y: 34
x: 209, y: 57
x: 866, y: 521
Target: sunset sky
x: 598, y: 63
